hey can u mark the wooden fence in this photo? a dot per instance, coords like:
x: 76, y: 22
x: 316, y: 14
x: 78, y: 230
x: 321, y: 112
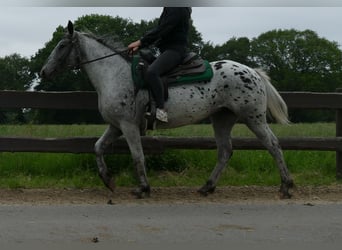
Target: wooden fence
x: 88, y: 100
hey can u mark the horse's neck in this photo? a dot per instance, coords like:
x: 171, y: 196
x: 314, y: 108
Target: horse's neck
x: 107, y: 75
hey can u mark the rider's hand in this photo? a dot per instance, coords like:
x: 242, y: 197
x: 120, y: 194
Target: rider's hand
x: 134, y: 46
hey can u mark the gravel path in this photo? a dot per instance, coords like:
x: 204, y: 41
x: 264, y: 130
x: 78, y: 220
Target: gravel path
x: 246, y: 217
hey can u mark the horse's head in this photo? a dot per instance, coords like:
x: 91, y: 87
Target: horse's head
x: 64, y: 55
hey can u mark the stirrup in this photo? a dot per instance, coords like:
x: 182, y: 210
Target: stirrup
x: 161, y: 115
x: 150, y: 116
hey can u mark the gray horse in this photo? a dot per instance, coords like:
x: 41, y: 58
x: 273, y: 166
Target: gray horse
x: 235, y: 92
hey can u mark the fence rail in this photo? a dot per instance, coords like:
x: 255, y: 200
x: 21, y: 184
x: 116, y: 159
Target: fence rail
x: 88, y: 100
x: 156, y: 144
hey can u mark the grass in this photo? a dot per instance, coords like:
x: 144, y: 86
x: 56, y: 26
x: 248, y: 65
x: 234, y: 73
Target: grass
x: 173, y: 168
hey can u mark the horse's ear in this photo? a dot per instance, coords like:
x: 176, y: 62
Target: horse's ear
x: 70, y: 28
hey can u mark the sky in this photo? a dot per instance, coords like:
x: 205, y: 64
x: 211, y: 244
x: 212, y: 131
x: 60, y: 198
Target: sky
x: 26, y: 29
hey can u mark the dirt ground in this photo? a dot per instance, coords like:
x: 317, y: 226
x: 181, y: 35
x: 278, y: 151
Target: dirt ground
x: 228, y: 194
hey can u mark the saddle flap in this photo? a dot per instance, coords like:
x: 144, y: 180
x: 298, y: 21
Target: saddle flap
x: 201, y: 73
x: 195, y: 67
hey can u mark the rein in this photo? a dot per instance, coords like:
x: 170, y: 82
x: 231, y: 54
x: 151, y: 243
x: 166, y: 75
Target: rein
x: 103, y: 57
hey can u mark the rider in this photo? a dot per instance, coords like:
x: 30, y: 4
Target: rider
x: 171, y: 37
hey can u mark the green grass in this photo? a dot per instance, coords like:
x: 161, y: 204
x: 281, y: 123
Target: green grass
x: 173, y: 168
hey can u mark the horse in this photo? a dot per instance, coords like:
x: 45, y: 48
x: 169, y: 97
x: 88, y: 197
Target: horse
x: 235, y: 92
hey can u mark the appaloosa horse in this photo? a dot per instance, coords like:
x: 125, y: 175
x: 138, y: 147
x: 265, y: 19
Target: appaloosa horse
x: 234, y: 92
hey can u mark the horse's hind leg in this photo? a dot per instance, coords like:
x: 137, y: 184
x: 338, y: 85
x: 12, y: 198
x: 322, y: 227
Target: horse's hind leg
x: 270, y: 141
x: 223, y: 123
x: 102, y: 143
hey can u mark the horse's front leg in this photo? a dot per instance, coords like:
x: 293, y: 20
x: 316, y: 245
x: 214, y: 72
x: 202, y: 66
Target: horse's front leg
x: 105, y: 140
x: 133, y: 138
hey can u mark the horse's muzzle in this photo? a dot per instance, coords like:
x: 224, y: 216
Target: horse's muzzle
x: 44, y: 74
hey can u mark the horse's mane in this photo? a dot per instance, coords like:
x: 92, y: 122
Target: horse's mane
x: 111, y: 41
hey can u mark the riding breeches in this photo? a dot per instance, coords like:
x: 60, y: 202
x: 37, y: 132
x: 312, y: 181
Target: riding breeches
x: 165, y: 62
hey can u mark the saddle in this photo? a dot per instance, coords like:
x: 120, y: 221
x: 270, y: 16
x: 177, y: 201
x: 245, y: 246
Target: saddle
x: 192, y: 69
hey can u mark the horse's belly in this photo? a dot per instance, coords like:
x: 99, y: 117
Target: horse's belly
x: 187, y: 112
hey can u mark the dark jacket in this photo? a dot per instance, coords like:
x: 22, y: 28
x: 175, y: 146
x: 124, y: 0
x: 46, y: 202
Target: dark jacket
x: 172, y: 30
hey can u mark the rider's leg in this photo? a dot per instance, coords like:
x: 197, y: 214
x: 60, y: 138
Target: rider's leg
x: 164, y: 63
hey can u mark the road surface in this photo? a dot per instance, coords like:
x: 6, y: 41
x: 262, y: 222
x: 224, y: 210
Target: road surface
x: 273, y: 225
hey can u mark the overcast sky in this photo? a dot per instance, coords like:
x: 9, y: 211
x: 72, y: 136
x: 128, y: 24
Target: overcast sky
x: 24, y: 30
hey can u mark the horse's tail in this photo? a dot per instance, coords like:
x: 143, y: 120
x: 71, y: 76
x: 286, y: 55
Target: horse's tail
x: 275, y: 103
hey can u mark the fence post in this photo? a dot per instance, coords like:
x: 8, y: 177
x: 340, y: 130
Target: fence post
x: 339, y: 134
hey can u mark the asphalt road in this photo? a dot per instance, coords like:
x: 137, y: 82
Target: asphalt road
x: 162, y: 226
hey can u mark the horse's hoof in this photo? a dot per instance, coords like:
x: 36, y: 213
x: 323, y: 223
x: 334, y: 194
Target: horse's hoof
x: 108, y: 180
x: 208, y: 188
x: 111, y: 185
x: 284, y: 189
x: 284, y: 196
x: 142, y: 192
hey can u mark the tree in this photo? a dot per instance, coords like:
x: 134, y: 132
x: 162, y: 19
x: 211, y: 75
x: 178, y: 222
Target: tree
x: 300, y: 61
x: 195, y: 39
x: 123, y: 30
x: 15, y: 75
x: 74, y: 80
x: 236, y: 49
x: 117, y: 28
